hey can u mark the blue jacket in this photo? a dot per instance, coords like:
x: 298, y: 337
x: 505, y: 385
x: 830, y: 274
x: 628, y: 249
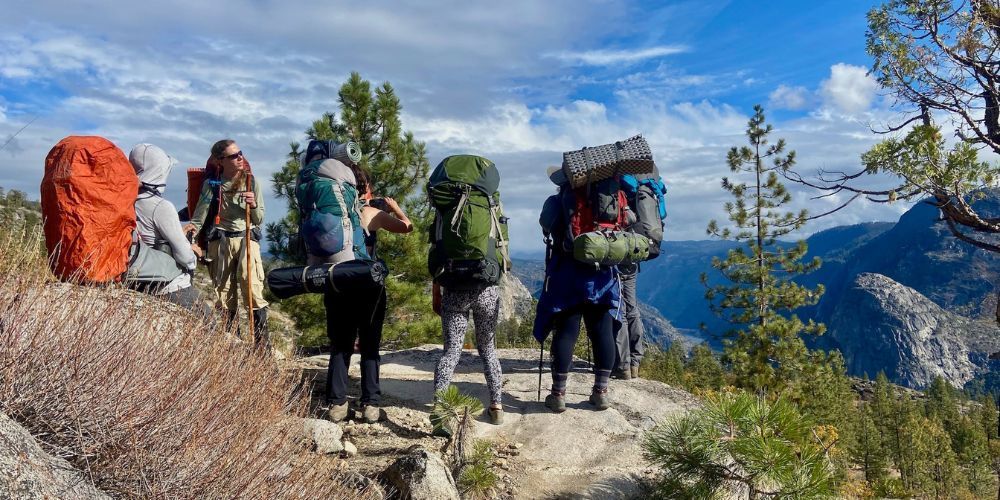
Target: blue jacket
x: 569, y: 283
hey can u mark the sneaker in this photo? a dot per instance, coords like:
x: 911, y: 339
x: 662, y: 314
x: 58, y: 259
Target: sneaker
x: 634, y: 371
x: 370, y: 414
x: 621, y: 374
x: 599, y: 398
x: 555, y: 402
x: 496, y: 416
x: 337, y: 413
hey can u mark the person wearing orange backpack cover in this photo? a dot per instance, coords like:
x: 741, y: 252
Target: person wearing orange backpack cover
x: 221, y: 211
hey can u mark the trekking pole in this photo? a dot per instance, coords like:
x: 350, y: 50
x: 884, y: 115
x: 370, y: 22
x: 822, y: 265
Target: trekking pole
x: 541, y: 355
x: 246, y: 243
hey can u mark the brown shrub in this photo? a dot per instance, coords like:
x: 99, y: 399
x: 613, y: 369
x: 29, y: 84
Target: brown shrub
x: 142, y: 397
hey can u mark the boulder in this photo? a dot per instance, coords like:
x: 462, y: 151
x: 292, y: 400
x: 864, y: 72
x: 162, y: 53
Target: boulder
x: 28, y: 472
x: 325, y: 435
x: 422, y: 475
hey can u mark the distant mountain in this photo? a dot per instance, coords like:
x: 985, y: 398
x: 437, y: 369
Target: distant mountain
x: 881, y: 325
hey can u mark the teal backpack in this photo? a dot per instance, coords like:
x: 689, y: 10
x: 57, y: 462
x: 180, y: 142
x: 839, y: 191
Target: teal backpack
x: 330, y: 211
x: 469, y: 234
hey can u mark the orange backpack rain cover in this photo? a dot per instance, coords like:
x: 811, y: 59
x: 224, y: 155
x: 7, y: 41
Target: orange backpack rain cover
x: 88, y: 204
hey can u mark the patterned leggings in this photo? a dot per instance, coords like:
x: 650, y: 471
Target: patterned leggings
x: 455, y: 305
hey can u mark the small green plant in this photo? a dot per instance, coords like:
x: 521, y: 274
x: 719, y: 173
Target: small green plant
x: 451, y: 407
x: 476, y: 480
x: 742, y: 444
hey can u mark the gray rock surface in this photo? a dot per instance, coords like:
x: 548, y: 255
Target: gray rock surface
x: 422, y: 475
x: 325, y: 435
x: 883, y: 325
x: 515, y: 298
x: 581, y: 453
x: 28, y: 472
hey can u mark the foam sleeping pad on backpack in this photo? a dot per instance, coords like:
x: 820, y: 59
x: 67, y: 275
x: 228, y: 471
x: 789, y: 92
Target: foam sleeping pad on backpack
x: 610, y: 248
x: 351, y: 276
x: 88, y: 207
x: 631, y: 156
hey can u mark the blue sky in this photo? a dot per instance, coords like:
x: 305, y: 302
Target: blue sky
x: 518, y: 82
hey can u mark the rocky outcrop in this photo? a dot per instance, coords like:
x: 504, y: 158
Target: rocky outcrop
x: 28, y: 472
x: 515, y: 299
x: 881, y: 325
x: 422, y: 475
x: 323, y: 435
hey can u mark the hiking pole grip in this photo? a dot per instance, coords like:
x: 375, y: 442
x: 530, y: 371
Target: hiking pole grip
x: 246, y: 244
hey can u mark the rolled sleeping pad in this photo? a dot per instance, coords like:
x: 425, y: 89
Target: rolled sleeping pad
x: 348, y: 153
x: 350, y: 276
x: 610, y: 248
x: 631, y: 156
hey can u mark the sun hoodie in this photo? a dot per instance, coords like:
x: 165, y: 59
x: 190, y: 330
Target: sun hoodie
x: 156, y: 218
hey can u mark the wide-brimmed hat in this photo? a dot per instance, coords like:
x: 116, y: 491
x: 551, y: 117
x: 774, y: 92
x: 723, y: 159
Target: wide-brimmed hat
x: 556, y: 175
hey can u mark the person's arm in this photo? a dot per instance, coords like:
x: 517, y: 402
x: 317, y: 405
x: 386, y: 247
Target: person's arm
x: 201, y: 210
x: 256, y: 204
x: 168, y: 226
x: 436, y: 299
x: 401, y: 223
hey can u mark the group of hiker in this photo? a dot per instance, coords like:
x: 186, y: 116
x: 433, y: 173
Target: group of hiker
x: 606, y: 217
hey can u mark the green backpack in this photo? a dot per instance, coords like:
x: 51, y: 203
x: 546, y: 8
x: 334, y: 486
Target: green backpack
x: 469, y: 234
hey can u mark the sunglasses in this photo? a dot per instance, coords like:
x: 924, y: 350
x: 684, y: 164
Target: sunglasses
x: 234, y: 156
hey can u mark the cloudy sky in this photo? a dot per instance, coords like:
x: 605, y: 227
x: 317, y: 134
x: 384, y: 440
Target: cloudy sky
x: 517, y: 81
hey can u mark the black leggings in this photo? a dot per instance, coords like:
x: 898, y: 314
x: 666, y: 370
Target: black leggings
x: 350, y: 316
x: 599, y: 323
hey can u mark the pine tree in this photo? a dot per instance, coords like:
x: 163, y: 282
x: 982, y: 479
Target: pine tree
x: 933, y: 464
x: 703, y: 370
x: 740, y: 443
x: 397, y: 165
x: 867, y: 449
x: 767, y: 352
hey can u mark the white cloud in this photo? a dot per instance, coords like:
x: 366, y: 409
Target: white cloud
x: 605, y: 57
x: 785, y: 97
x: 849, y: 89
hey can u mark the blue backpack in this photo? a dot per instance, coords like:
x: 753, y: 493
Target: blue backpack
x: 647, y: 195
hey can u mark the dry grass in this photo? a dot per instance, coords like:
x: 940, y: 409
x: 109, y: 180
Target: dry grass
x: 142, y: 397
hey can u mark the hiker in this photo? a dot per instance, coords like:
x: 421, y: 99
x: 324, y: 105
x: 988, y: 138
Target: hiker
x: 646, y: 196
x: 468, y: 256
x: 630, y: 344
x: 575, y: 291
x: 159, y: 227
x: 221, y: 211
x: 357, y: 315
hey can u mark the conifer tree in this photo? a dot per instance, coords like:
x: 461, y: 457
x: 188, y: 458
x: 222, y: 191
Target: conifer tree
x: 703, y: 370
x: 740, y: 444
x: 867, y: 449
x: 766, y: 352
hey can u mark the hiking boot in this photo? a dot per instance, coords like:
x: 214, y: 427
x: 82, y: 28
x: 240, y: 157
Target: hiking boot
x: 496, y: 416
x: 261, y: 337
x: 634, y: 371
x: 370, y: 414
x: 621, y: 374
x: 555, y: 402
x: 599, y: 398
x: 337, y: 413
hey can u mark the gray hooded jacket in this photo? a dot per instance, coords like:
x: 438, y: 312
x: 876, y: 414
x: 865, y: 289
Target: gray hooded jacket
x: 156, y: 218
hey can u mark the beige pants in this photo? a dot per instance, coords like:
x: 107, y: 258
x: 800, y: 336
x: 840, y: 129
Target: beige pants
x: 229, y: 272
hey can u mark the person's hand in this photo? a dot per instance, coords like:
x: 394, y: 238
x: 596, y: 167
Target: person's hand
x: 391, y: 203
x: 188, y: 229
x: 250, y: 199
x: 197, y: 250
